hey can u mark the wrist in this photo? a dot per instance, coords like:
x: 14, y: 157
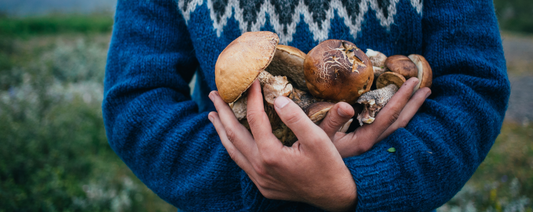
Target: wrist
x: 344, y: 198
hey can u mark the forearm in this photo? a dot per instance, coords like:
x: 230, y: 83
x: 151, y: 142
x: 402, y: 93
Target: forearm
x: 441, y: 147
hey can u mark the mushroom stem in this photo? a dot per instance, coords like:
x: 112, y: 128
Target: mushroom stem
x: 373, y: 101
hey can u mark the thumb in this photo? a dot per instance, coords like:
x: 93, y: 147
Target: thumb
x: 307, y: 132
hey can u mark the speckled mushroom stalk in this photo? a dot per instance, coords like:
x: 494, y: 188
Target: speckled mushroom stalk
x: 373, y: 101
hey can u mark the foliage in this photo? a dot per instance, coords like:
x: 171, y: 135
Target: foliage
x: 55, y: 24
x: 54, y: 154
x: 504, y: 181
x: 515, y: 15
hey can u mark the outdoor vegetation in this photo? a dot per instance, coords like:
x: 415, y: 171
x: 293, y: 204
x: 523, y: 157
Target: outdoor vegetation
x: 55, y: 156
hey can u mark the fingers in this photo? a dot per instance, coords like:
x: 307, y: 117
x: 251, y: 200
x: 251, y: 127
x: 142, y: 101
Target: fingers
x: 390, y: 113
x: 408, y: 112
x: 233, y: 152
x: 258, y: 119
x: 294, y: 117
x: 230, y: 128
x: 336, y: 118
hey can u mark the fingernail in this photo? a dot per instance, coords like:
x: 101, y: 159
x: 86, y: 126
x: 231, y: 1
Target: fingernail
x: 428, y: 93
x: 210, y: 117
x: 281, y: 101
x: 211, y: 95
x: 341, y: 113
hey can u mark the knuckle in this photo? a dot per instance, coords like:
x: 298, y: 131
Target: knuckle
x: 270, y: 160
x: 263, y: 184
x: 260, y: 170
x: 333, y: 123
x: 291, y: 118
x: 253, y: 116
x: 230, y: 133
x: 394, y: 116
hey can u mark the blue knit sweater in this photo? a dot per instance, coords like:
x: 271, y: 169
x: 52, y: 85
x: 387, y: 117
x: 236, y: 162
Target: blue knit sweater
x: 164, y: 136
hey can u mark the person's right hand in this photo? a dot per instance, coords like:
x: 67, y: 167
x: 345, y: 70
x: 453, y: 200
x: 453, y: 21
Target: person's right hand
x: 396, y: 114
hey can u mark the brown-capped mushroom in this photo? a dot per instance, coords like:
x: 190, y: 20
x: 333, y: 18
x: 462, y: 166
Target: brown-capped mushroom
x: 318, y: 111
x: 402, y: 65
x: 337, y: 70
x: 239, y: 64
x: 388, y: 84
x: 248, y: 58
x: 289, y: 62
x: 425, y: 74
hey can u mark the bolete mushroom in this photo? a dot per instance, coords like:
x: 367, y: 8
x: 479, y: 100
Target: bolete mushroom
x: 387, y: 85
x: 402, y: 65
x: 248, y: 58
x: 337, y: 70
x: 425, y: 74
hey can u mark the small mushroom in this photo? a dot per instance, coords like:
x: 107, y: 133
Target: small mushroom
x: 388, y: 84
x: 378, y: 61
x: 402, y: 65
x: 318, y: 111
x: 337, y: 70
x: 425, y: 74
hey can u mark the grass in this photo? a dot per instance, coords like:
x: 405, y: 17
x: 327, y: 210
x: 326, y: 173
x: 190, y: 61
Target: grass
x: 515, y: 15
x: 55, y: 24
x: 54, y: 154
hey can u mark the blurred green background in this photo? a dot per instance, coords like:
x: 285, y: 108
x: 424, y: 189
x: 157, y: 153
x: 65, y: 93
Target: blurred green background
x: 55, y: 156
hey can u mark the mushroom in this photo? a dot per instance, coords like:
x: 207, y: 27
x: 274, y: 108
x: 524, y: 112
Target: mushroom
x: 402, y: 65
x: 289, y: 62
x: 378, y: 61
x: 248, y: 58
x: 387, y: 85
x: 425, y: 74
x: 337, y: 70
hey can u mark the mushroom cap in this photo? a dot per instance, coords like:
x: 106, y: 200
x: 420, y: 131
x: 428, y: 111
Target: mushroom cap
x: 388, y: 78
x: 402, y: 65
x: 318, y: 111
x: 425, y: 74
x: 289, y: 61
x: 377, y: 58
x: 337, y: 70
x: 239, y: 64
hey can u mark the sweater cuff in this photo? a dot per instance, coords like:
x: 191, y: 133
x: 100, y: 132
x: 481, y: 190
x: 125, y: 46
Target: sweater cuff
x: 376, y: 173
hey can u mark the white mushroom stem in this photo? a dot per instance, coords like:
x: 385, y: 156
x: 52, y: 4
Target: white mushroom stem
x: 373, y: 101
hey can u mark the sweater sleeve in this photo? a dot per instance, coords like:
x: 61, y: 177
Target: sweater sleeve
x: 151, y: 121
x: 439, y: 150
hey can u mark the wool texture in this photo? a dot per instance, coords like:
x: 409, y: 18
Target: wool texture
x: 162, y: 133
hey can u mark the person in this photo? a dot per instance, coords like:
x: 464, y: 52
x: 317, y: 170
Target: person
x: 164, y: 134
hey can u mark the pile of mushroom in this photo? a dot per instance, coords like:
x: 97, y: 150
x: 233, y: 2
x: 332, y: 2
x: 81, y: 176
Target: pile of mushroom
x: 333, y: 71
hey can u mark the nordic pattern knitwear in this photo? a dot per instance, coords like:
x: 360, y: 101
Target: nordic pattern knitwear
x: 164, y: 136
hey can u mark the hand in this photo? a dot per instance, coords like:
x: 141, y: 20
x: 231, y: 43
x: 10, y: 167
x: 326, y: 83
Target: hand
x: 310, y: 171
x: 396, y: 114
